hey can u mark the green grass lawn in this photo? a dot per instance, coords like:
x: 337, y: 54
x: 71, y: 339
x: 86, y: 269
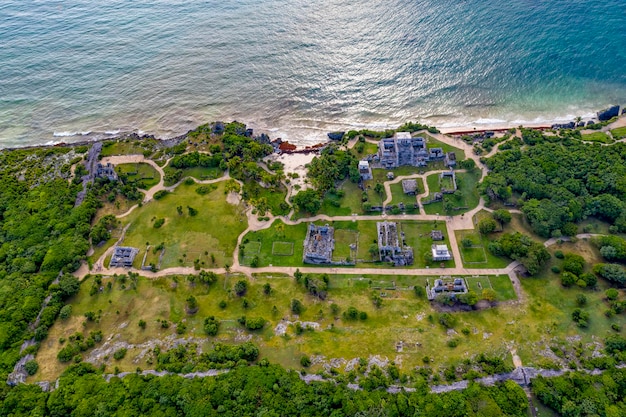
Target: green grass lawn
x: 364, y: 233
x: 142, y: 174
x: 463, y: 200
x: 350, y: 202
x: 199, y: 173
x: 599, y: 137
x: 409, y: 201
x: 212, y: 233
x: 619, y: 133
x: 261, y: 244
x: 275, y: 198
x: 368, y: 149
x: 478, y: 256
x: 127, y: 147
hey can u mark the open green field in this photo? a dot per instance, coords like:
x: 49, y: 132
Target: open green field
x: 212, y: 233
x: 599, y: 137
x: 619, y: 133
x: 350, y: 202
x: 363, y: 233
x: 142, y: 174
x: 127, y: 147
x: 367, y: 148
x: 409, y: 201
x: 463, y: 200
x: 402, y: 316
x: 199, y: 173
x: 275, y: 197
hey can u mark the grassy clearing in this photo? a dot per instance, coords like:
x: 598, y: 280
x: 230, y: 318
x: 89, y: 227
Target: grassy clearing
x: 275, y: 198
x: 142, y: 174
x: 409, y: 201
x: 599, y: 137
x: 477, y: 255
x: 463, y: 200
x: 619, y: 133
x: 211, y: 234
x: 402, y: 316
x: 199, y: 173
x: 350, y: 202
x: 128, y: 147
x: 363, y: 233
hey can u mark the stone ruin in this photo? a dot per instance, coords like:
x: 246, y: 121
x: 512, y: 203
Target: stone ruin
x: 446, y: 285
x: 319, y: 244
x: 391, y: 247
x: 123, y: 256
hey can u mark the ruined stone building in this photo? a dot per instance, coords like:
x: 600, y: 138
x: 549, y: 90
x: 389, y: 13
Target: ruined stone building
x: 123, y: 256
x: 319, y: 244
x: 106, y: 171
x: 391, y: 247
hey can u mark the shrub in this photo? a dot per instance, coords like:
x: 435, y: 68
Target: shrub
x: 420, y: 291
x: 581, y: 317
x: 65, y: 312
x: 241, y: 287
x: 31, y: 367
x: 452, y: 343
x: 559, y: 254
x: 305, y: 361
x: 573, y: 263
x: 296, y: 306
x: 568, y: 279
x: 581, y: 299
x: 255, y: 323
x: 447, y: 320
x: 211, y: 325
x: 222, y: 304
x: 555, y: 269
x: 611, y: 294
x: 119, y: 354
x: 160, y: 194
x: 158, y: 223
x: 142, y: 324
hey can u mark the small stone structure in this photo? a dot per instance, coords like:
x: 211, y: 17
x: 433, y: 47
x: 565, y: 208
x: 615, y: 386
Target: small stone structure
x: 123, y: 256
x: 365, y: 171
x: 445, y: 285
x: 409, y: 187
x: 319, y: 244
x: 451, y: 175
x: 106, y: 171
x: 450, y: 159
x: 441, y: 253
x: 390, y: 245
x: 436, y: 235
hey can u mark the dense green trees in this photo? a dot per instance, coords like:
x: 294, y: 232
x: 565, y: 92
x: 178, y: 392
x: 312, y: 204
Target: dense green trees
x: 521, y: 248
x: 578, y: 394
x: 560, y: 180
x: 259, y: 390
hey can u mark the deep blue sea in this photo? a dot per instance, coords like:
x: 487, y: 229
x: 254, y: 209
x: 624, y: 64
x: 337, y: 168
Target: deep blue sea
x: 300, y: 68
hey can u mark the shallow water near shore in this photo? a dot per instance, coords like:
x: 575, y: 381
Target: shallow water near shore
x: 77, y: 70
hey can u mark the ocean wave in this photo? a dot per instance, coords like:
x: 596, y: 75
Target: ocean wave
x: 112, y: 132
x: 68, y: 134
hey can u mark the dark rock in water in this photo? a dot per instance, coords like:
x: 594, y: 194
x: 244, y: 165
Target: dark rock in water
x: 581, y: 124
x: 218, y: 128
x: 336, y: 135
x: 608, y: 114
x: 589, y: 122
x: 624, y: 110
x: 263, y: 139
x: 570, y: 125
x: 249, y: 133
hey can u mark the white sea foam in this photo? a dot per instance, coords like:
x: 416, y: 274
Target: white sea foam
x: 112, y: 132
x: 68, y: 134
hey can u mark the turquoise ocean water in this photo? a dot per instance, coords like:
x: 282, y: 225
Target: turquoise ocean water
x: 71, y: 70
